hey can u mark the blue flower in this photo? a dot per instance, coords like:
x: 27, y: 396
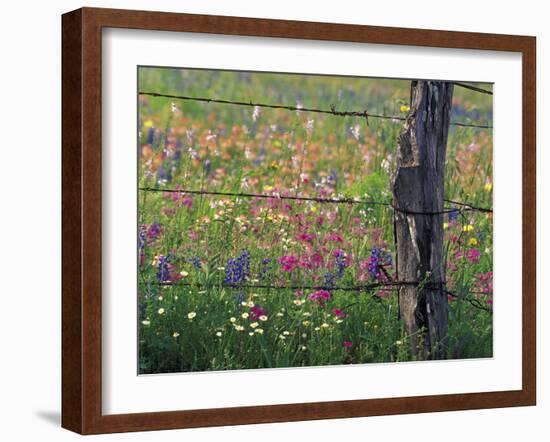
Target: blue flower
x: 163, y: 270
x: 453, y: 214
x: 341, y: 263
x: 237, y: 269
x: 374, y: 263
x: 151, y: 136
x: 329, y: 279
x: 195, y: 262
x: 264, y: 268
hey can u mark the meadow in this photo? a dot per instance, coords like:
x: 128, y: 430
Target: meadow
x: 265, y: 237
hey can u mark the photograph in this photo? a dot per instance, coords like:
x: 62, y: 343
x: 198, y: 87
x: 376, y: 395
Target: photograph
x: 293, y: 220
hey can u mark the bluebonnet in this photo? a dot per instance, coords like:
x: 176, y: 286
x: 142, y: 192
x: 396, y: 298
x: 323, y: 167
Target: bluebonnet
x: 264, y: 268
x: 240, y: 297
x: 340, y: 263
x: 165, y: 173
x: 374, y: 263
x: 207, y: 167
x: 195, y: 262
x: 142, y: 235
x: 333, y: 176
x: 453, y: 214
x: 151, y: 136
x: 163, y: 271
x: 329, y: 279
x: 237, y: 269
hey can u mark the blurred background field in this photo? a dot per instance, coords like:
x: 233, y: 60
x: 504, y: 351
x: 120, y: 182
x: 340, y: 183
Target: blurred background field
x: 211, y: 265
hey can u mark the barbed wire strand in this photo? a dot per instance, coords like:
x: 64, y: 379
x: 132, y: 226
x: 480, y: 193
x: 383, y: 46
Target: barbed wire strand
x: 465, y: 206
x: 333, y: 111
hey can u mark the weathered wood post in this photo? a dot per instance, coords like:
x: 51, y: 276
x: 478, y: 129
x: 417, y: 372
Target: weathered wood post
x: 418, y: 199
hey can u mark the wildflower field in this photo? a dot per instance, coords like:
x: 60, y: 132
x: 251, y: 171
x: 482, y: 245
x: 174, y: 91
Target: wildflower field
x: 266, y: 236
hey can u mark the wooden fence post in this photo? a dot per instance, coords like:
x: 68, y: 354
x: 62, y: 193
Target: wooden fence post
x: 418, y: 198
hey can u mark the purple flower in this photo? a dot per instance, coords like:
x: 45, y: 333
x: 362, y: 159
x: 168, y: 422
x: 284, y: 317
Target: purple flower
x: 347, y: 344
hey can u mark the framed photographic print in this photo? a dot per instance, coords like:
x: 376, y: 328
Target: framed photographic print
x: 269, y: 221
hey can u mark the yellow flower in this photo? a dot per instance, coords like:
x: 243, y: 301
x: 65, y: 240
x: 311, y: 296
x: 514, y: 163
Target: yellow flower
x: 148, y: 123
x: 445, y: 226
x: 488, y: 187
x: 146, y: 322
x: 232, y: 319
x: 325, y: 325
x: 473, y: 242
x: 191, y: 315
x: 404, y: 108
x: 161, y: 311
x: 268, y: 188
x: 239, y: 328
x: 468, y: 228
x: 263, y: 318
x: 175, y: 334
x: 184, y: 273
x: 259, y: 331
x: 254, y: 325
x: 306, y: 323
x: 219, y: 334
x: 244, y: 315
x: 313, y: 209
x: 298, y: 302
x: 286, y: 333
x: 398, y: 342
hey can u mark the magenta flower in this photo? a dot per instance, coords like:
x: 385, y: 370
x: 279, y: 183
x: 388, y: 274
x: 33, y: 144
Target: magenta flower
x: 306, y: 237
x: 305, y: 263
x: 347, y: 344
x: 316, y: 259
x: 289, y: 262
x: 335, y: 237
x: 339, y: 313
x: 320, y: 297
x: 473, y: 255
x: 256, y: 312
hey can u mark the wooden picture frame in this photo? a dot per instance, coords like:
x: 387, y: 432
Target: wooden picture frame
x: 82, y: 209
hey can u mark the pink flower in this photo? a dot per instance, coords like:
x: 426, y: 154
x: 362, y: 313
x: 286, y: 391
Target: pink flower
x: 384, y: 294
x: 288, y: 262
x: 335, y: 237
x: 316, y: 259
x: 306, y: 237
x: 347, y: 344
x: 339, y: 313
x: 305, y: 263
x: 473, y: 255
x: 256, y: 312
x: 320, y: 297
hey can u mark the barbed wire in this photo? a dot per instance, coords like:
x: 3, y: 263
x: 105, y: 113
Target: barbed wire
x: 473, y: 88
x: 380, y: 286
x: 332, y: 111
x: 465, y: 206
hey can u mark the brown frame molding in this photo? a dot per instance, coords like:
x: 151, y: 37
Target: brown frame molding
x: 81, y: 218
